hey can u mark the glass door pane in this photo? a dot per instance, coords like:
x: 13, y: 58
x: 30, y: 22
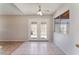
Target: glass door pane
x: 43, y: 30
x: 64, y: 28
x: 34, y: 30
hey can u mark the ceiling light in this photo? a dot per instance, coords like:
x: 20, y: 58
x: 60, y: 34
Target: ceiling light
x: 39, y: 13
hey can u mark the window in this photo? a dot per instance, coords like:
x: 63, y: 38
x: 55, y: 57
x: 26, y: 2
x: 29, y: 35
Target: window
x: 34, y: 30
x: 61, y: 25
x: 63, y: 28
x: 43, y: 33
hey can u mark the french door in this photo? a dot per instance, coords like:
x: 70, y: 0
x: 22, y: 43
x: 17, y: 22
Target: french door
x: 38, y: 30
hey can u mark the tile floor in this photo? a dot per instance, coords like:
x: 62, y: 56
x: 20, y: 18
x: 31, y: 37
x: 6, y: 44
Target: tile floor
x: 37, y: 48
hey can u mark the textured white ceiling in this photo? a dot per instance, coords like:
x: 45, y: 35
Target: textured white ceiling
x: 8, y: 9
x: 27, y: 8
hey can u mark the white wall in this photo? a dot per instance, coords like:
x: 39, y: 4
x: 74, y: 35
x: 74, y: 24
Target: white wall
x: 74, y: 27
x: 67, y: 43
x: 64, y: 42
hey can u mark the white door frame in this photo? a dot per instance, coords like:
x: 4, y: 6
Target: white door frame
x: 38, y: 30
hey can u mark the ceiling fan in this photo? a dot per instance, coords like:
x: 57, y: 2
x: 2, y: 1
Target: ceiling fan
x: 40, y: 12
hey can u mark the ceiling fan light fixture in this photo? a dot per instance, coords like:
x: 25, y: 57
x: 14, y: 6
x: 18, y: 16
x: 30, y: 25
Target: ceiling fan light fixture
x: 39, y: 11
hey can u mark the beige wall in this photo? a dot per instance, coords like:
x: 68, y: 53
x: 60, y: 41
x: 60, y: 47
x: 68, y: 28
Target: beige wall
x: 15, y: 28
x: 2, y: 27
